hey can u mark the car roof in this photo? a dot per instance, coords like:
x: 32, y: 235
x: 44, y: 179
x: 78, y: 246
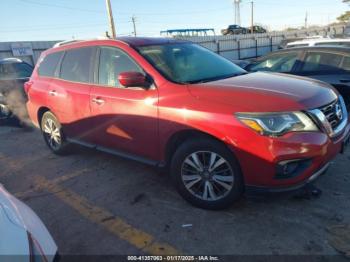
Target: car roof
x: 319, y: 40
x: 331, y: 48
x: 10, y: 60
x: 131, y: 41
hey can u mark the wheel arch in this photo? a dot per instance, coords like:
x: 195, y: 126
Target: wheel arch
x: 41, y: 112
x: 182, y: 136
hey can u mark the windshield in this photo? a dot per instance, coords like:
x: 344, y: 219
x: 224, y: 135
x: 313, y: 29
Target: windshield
x: 189, y: 63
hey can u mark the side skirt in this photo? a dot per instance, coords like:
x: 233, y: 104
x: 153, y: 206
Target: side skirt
x: 117, y: 153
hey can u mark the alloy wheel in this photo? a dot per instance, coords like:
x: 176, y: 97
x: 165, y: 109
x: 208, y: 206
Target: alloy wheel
x: 52, y: 134
x: 207, y: 175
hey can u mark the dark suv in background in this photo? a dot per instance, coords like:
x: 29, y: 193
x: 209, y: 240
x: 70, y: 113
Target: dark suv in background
x: 13, y: 74
x: 234, y: 30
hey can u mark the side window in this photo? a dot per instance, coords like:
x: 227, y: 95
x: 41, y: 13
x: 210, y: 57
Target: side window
x: 76, y: 65
x: 346, y: 63
x: 113, y: 62
x: 277, y: 63
x: 321, y: 62
x: 48, y: 66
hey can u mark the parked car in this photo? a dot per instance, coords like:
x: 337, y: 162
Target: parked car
x: 256, y: 30
x: 13, y: 74
x: 328, y: 64
x: 174, y: 104
x: 23, y: 236
x: 234, y: 30
x: 320, y: 42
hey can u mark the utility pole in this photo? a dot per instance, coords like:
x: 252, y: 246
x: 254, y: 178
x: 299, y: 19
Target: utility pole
x: 110, y: 18
x: 252, y: 21
x: 237, y: 12
x: 133, y: 19
x: 306, y: 19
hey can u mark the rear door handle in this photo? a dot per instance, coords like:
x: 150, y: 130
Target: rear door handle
x: 345, y: 80
x: 53, y: 93
x: 98, y: 101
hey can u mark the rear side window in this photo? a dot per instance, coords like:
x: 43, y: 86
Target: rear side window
x: 49, y: 64
x: 76, y: 65
x: 322, y: 62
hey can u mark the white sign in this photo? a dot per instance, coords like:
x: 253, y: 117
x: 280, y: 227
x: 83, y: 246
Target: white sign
x: 22, y: 49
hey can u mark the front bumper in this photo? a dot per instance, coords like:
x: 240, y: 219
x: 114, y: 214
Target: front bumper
x: 259, y: 157
x: 309, y: 180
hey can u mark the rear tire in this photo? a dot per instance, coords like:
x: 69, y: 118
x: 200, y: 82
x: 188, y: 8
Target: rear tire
x: 206, y: 174
x: 53, y: 135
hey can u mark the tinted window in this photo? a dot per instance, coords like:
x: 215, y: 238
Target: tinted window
x: 49, y: 64
x: 76, y: 65
x: 276, y: 63
x: 189, y: 63
x: 113, y: 62
x: 15, y: 70
x: 321, y: 62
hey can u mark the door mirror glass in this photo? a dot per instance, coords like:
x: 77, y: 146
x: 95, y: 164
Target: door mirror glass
x: 134, y: 79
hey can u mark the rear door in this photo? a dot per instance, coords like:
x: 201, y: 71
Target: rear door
x: 125, y: 119
x: 69, y: 94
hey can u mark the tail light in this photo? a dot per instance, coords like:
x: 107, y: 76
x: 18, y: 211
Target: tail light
x: 27, y: 86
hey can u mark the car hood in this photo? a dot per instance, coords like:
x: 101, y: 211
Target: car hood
x: 266, y: 92
x: 24, y: 218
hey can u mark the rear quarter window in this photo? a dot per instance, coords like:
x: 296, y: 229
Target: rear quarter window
x: 48, y: 66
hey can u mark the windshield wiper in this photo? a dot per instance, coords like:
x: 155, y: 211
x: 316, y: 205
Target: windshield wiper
x: 206, y: 80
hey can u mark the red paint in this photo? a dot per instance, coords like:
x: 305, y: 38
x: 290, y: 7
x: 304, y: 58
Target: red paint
x: 142, y: 121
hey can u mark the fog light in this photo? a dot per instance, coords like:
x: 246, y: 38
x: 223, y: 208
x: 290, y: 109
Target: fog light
x: 292, y: 168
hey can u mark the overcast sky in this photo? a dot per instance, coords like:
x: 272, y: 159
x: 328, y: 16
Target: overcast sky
x: 64, y: 19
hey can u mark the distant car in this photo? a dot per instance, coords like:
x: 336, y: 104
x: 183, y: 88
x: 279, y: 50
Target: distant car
x: 23, y: 236
x: 234, y: 30
x: 328, y: 64
x: 13, y: 74
x: 320, y: 42
x: 256, y: 30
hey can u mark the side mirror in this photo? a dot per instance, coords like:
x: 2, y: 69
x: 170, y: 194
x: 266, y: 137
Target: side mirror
x: 134, y: 79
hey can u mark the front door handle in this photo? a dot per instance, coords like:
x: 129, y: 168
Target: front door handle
x: 98, y: 101
x: 344, y: 80
x: 53, y: 93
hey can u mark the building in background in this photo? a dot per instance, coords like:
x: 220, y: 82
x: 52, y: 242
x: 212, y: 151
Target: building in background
x: 26, y: 51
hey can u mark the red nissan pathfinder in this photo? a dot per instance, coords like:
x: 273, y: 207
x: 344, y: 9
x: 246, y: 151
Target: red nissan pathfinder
x: 175, y: 104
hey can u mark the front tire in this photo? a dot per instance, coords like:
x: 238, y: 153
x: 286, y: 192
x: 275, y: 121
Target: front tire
x: 206, y: 174
x: 53, y: 134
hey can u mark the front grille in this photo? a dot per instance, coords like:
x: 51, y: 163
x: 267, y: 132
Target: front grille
x: 332, y: 113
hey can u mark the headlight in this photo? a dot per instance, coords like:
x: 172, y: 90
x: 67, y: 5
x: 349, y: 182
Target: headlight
x: 277, y: 124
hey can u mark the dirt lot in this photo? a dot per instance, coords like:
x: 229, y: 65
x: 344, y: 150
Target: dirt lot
x: 94, y: 203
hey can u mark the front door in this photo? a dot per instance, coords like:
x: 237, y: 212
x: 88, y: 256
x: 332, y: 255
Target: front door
x: 124, y: 119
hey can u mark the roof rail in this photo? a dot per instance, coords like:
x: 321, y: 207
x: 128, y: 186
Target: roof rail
x: 75, y: 41
x: 65, y: 43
